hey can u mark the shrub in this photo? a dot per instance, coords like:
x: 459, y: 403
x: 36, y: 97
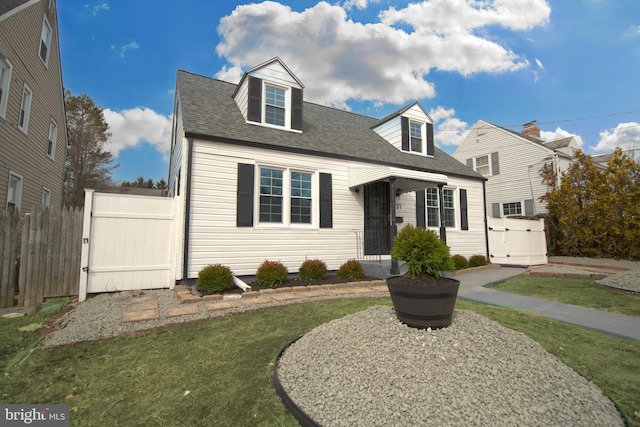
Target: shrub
x: 351, y: 270
x: 313, y: 269
x: 215, y: 278
x: 477, y: 261
x: 422, y: 251
x: 271, y: 273
x: 459, y: 262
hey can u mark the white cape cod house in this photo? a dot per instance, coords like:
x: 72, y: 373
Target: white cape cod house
x: 261, y: 174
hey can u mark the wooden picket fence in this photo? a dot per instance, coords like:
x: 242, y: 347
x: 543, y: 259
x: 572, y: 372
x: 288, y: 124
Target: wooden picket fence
x: 39, y: 255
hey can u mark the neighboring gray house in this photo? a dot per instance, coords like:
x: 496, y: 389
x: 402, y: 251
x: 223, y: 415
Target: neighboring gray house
x: 261, y: 174
x: 511, y: 161
x: 33, y: 132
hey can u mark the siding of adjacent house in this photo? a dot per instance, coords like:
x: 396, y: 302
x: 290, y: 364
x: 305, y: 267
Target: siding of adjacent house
x: 27, y: 154
x: 215, y: 238
x: 519, y: 164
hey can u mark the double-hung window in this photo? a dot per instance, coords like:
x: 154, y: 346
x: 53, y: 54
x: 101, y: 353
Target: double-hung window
x: 482, y: 165
x: 415, y: 137
x: 286, y: 196
x: 14, y: 192
x: 514, y: 208
x: 45, y: 41
x: 275, y: 105
x: 25, y: 109
x: 46, y: 197
x: 5, y: 81
x: 433, y: 208
x: 53, y: 137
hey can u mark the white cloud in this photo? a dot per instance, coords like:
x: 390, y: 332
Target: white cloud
x: 122, y: 50
x: 360, y: 4
x: 341, y: 59
x: 539, y: 64
x: 98, y: 8
x: 559, y: 133
x: 625, y: 136
x: 449, y: 130
x: 131, y: 127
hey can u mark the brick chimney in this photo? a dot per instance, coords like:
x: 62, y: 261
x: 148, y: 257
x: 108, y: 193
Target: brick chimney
x: 531, y: 129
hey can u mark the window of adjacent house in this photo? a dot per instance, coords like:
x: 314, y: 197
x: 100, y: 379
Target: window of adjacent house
x: 271, y: 195
x: 46, y: 197
x: 14, y: 192
x: 274, y: 106
x: 415, y: 133
x: 25, y: 109
x: 514, y: 208
x: 300, y: 198
x: 45, y: 41
x: 433, y: 208
x: 482, y: 165
x: 53, y: 137
x: 5, y: 81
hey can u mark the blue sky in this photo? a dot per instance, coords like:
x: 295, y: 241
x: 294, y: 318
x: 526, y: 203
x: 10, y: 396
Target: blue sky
x: 571, y: 65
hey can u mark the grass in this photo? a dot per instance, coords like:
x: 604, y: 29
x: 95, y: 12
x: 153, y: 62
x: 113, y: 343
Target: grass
x: 576, y: 291
x: 216, y: 372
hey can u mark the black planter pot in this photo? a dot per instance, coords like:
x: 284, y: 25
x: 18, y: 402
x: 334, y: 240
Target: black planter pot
x: 424, y: 305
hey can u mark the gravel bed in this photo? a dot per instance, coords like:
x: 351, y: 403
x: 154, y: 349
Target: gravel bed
x: 368, y: 369
x: 627, y: 280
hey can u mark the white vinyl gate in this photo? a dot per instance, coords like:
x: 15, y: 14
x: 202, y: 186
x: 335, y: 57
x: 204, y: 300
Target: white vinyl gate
x: 127, y: 243
x: 517, y: 241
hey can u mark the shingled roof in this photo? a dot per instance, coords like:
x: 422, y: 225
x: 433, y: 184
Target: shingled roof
x: 210, y: 113
x: 7, y: 5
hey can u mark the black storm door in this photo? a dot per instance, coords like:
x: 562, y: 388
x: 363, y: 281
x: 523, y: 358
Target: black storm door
x: 376, y: 219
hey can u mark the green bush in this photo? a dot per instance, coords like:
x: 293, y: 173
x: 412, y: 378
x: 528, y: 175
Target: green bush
x: 215, y: 278
x: 351, y: 270
x: 422, y: 251
x: 477, y: 261
x: 313, y: 269
x: 459, y: 262
x: 271, y: 273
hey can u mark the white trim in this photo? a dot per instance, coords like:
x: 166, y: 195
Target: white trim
x: 26, y: 108
x: 18, y: 9
x: 54, y: 142
x: 17, y: 202
x: 6, y: 65
x: 412, y: 179
x: 47, y: 25
x: 46, y: 201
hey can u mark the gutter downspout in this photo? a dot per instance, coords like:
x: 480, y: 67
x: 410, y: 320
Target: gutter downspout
x: 187, y: 213
x: 486, y: 222
x: 443, y: 229
x: 393, y: 227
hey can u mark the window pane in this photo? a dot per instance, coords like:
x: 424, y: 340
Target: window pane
x: 416, y: 136
x: 482, y: 165
x: 274, y: 116
x: 270, y: 195
x: 512, y: 208
x: 300, y: 198
x: 275, y: 96
x: 433, y: 213
x: 270, y: 209
x: 449, y: 209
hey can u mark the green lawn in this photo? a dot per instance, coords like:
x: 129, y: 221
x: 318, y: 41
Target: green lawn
x: 216, y: 372
x: 576, y: 291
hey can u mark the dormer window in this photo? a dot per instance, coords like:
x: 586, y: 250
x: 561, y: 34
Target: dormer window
x: 415, y: 137
x: 275, y: 105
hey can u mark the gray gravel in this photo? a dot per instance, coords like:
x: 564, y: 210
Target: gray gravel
x: 626, y: 280
x: 368, y: 369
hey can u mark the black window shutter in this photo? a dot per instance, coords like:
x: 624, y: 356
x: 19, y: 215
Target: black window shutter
x: 404, y: 126
x: 420, y: 209
x: 430, y: 143
x: 244, y: 216
x: 528, y: 207
x: 495, y: 164
x: 495, y: 210
x: 254, y: 113
x: 464, y: 217
x: 326, y: 201
x: 296, y: 108
x: 470, y: 163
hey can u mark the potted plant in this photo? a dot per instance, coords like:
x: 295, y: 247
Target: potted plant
x: 423, y: 298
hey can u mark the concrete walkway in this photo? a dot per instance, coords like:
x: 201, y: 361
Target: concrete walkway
x: 472, y: 288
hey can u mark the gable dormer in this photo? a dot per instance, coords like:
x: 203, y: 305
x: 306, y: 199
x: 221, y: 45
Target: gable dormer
x: 270, y: 95
x: 409, y: 129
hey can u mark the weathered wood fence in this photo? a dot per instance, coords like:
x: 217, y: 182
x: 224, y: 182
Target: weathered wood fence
x: 39, y: 255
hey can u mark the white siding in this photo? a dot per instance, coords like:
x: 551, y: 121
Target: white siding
x: 242, y: 98
x: 520, y: 162
x: 391, y: 131
x: 277, y: 74
x: 214, y: 237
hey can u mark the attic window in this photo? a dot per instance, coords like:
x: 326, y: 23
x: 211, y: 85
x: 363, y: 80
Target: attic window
x: 415, y: 129
x: 274, y: 105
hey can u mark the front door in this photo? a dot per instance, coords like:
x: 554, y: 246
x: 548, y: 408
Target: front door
x: 376, y: 219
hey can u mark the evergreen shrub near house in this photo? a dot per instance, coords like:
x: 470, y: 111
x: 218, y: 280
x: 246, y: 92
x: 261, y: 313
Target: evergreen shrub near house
x: 422, y: 252
x: 459, y: 262
x: 351, y: 270
x: 477, y: 261
x: 215, y: 278
x: 271, y: 273
x: 313, y: 269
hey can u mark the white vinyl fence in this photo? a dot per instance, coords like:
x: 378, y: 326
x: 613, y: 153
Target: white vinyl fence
x: 517, y: 241
x: 127, y: 243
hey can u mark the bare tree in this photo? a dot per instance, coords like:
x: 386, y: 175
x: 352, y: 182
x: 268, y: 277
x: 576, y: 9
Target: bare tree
x: 87, y: 164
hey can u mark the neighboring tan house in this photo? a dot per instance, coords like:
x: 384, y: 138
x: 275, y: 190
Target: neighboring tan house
x: 512, y: 161
x: 261, y: 174
x: 33, y: 135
